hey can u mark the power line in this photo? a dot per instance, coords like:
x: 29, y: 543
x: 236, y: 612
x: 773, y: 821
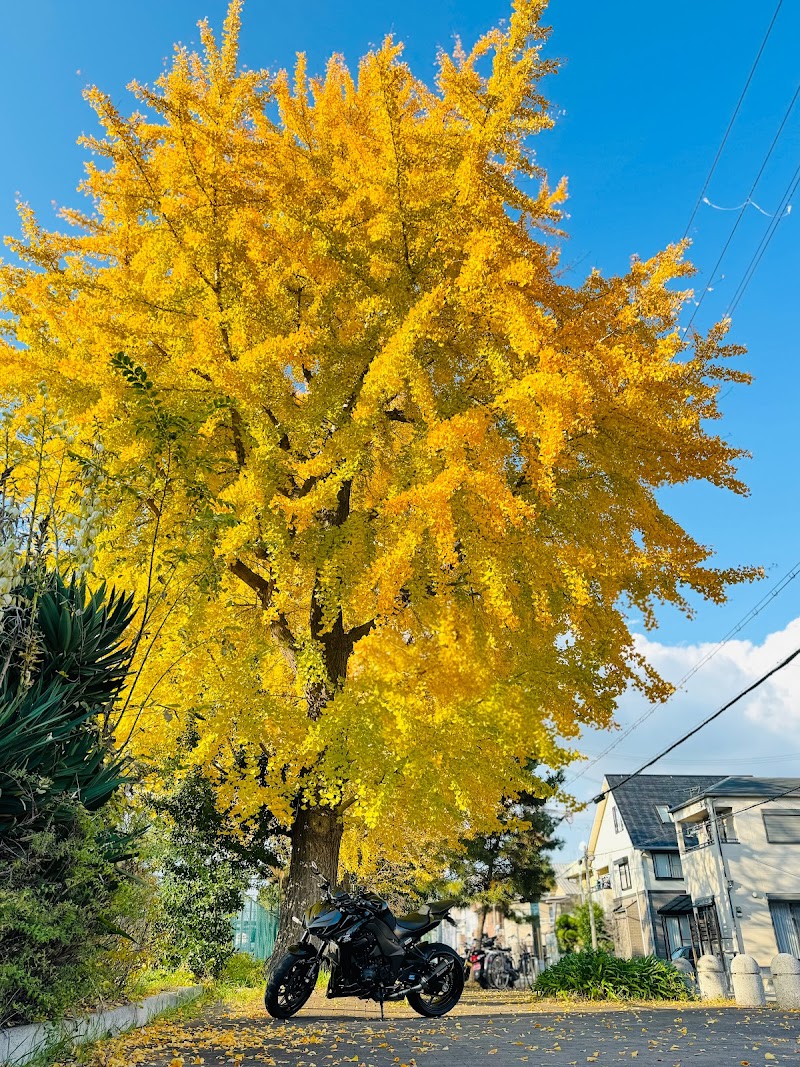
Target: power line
x: 768, y: 800
x: 733, y: 119
x: 744, y: 206
x: 757, y: 608
x: 760, y: 681
x: 765, y: 240
x: 727, y: 761
x: 795, y: 789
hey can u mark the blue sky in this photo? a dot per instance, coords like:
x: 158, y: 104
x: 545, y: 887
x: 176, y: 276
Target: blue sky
x: 644, y: 96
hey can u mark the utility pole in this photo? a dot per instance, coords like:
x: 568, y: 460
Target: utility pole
x: 592, y: 924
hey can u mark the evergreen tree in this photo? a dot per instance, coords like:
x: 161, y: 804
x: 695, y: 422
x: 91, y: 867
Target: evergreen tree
x: 509, y: 864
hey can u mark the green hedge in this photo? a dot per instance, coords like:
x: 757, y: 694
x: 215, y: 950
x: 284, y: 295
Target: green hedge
x: 601, y: 976
x: 55, y: 900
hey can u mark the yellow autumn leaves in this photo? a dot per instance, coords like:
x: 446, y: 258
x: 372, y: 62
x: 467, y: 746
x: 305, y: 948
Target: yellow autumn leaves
x: 369, y: 443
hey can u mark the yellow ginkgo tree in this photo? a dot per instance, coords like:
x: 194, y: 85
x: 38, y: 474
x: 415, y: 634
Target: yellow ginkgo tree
x: 384, y: 481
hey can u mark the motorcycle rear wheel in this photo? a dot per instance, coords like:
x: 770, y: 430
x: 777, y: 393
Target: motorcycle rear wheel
x: 290, y: 985
x: 445, y: 991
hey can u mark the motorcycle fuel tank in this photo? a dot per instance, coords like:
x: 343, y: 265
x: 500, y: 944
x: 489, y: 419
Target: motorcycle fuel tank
x: 324, y: 919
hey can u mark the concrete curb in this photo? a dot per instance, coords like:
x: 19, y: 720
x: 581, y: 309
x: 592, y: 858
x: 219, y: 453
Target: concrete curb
x: 20, y: 1044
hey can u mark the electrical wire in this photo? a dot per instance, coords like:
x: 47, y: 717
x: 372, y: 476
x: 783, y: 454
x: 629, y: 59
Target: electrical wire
x: 768, y: 800
x: 780, y: 214
x: 727, y: 761
x: 733, y: 119
x: 744, y: 206
x: 759, y: 681
x: 795, y: 789
x: 756, y: 610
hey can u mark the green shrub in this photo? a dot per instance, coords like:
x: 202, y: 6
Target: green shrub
x: 55, y: 898
x: 63, y: 660
x: 601, y: 976
x: 206, y: 862
x: 574, y: 929
x: 242, y: 969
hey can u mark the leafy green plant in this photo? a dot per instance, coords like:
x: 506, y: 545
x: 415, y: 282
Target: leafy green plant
x: 62, y: 661
x: 600, y: 976
x: 56, y: 893
x: 206, y: 859
x: 245, y: 970
x: 574, y: 929
x: 65, y: 907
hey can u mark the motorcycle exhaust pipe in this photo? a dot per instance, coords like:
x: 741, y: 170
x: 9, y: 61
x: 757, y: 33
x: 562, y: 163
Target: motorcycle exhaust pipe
x: 437, y: 972
x: 398, y: 994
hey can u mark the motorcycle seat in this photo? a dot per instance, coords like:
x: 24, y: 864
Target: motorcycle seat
x: 415, y: 920
x: 428, y: 915
x: 439, y: 907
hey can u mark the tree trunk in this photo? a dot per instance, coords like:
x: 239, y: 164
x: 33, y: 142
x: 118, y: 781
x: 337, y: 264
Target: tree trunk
x: 316, y: 836
x: 482, y: 923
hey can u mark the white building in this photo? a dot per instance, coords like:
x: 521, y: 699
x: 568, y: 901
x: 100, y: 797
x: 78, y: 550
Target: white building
x: 739, y: 844
x: 636, y: 869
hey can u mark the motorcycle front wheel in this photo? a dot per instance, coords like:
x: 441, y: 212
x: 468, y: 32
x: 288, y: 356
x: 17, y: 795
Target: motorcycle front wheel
x: 290, y: 985
x: 441, y: 994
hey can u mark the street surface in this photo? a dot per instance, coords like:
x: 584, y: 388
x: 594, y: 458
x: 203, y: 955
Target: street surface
x: 507, y: 1027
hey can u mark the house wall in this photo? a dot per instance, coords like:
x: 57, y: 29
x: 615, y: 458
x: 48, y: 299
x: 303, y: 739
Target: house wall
x: 624, y: 908
x: 756, y: 869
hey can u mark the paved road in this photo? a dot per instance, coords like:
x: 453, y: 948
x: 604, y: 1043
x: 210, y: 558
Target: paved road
x: 501, y: 1026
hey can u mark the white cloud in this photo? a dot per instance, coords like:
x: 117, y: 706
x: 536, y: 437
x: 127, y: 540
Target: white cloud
x: 760, y: 735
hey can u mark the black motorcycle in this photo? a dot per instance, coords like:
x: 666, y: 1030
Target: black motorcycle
x: 370, y: 954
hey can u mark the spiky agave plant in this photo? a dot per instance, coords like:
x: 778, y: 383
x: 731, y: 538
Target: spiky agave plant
x: 63, y: 661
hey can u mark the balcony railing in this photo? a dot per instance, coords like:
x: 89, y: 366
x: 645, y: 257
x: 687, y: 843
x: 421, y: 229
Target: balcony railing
x: 696, y: 835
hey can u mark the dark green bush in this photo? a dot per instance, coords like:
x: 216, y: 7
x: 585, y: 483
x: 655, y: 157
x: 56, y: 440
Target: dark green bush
x: 206, y: 860
x: 574, y: 929
x: 55, y: 899
x: 63, y: 661
x: 601, y: 976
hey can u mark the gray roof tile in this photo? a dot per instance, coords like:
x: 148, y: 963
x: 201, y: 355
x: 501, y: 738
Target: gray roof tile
x: 747, y: 786
x: 636, y: 802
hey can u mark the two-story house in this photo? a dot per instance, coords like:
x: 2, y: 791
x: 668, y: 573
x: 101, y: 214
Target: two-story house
x: 635, y: 862
x: 740, y: 854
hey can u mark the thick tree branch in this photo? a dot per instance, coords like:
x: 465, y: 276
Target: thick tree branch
x: 238, y: 442
x: 355, y: 633
x: 279, y: 627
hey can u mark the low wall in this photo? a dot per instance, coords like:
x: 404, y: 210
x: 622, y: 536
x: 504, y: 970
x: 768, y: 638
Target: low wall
x: 20, y: 1044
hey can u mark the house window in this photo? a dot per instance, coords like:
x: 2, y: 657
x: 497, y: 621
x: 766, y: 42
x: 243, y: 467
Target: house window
x: 624, y: 875
x: 667, y: 865
x: 786, y: 922
x: 725, y: 826
x: 677, y: 932
x: 663, y: 813
x: 617, y: 821
x: 782, y: 827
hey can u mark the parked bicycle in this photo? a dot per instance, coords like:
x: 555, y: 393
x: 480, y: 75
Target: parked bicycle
x: 499, y: 967
x: 527, y: 968
x: 493, y: 966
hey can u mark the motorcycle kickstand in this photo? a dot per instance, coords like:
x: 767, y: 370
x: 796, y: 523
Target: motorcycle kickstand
x: 380, y: 1001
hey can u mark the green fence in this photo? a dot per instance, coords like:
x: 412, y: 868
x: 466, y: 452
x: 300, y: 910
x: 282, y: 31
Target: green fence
x: 255, y: 929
